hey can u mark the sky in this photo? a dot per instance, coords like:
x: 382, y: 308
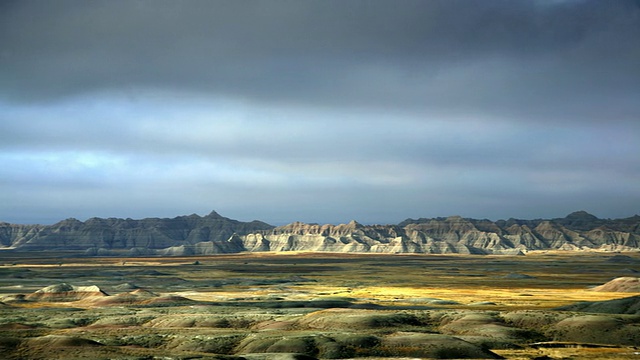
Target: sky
x: 319, y: 111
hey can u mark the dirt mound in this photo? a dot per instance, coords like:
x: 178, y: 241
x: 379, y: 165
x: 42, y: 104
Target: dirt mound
x: 293, y: 344
x: 65, y: 292
x: 432, y: 346
x: 487, y: 330
x: 196, y: 320
x: 629, y: 305
x: 143, y: 293
x: 136, y: 297
x: 119, y: 321
x: 126, y: 287
x: 533, y: 320
x: 58, y: 288
x: 356, y: 319
x: 61, y: 341
x: 290, y: 344
x: 599, y: 329
x: 621, y: 284
x: 349, y: 345
x: 214, y: 344
x: 169, y: 300
x: 484, y: 325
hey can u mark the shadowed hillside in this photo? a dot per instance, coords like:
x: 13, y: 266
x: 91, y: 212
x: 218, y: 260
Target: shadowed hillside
x: 214, y: 234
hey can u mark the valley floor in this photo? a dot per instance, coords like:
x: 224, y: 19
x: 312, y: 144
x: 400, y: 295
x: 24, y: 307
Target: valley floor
x: 311, y: 305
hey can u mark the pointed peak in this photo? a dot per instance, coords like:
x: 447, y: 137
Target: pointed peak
x: 214, y: 215
x: 354, y: 224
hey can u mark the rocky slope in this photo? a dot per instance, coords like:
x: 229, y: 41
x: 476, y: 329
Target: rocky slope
x: 578, y: 231
x: 214, y: 234
x: 139, y: 237
x: 621, y: 284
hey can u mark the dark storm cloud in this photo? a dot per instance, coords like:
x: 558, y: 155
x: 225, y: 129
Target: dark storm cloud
x: 319, y: 110
x: 508, y: 57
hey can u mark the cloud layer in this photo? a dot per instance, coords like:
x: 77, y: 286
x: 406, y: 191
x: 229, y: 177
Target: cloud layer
x: 319, y: 111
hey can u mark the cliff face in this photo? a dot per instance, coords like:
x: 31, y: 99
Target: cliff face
x: 146, y: 236
x: 578, y: 231
x: 214, y: 234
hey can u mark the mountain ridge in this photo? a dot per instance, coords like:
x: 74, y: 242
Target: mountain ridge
x: 215, y: 234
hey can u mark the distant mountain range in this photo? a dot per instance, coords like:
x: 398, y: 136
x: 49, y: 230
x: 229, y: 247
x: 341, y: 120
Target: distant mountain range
x: 215, y: 234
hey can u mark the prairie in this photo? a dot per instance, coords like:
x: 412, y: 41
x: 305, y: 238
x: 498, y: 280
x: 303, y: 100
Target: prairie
x: 302, y: 305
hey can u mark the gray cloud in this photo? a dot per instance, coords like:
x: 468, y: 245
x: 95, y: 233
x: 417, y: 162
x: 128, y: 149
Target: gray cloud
x: 508, y: 57
x: 319, y: 110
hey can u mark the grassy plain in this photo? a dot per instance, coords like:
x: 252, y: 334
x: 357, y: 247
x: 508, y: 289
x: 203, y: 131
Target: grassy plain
x: 316, y: 304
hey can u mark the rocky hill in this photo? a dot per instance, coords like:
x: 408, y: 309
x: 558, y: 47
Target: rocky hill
x: 150, y: 236
x: 214, y: 234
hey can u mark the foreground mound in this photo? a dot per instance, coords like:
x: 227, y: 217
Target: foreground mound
x: 433, y: 346
x: 355, y: 320
x: 599, y: 329
x: 62, y: 341
x: 485, y: 328
x: 629, y: 305
x: 348, y: 345
x: 621, y: 284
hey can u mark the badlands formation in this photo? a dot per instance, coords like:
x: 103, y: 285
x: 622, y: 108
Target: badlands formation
x: 210, y: 287
x: 215, y: 234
